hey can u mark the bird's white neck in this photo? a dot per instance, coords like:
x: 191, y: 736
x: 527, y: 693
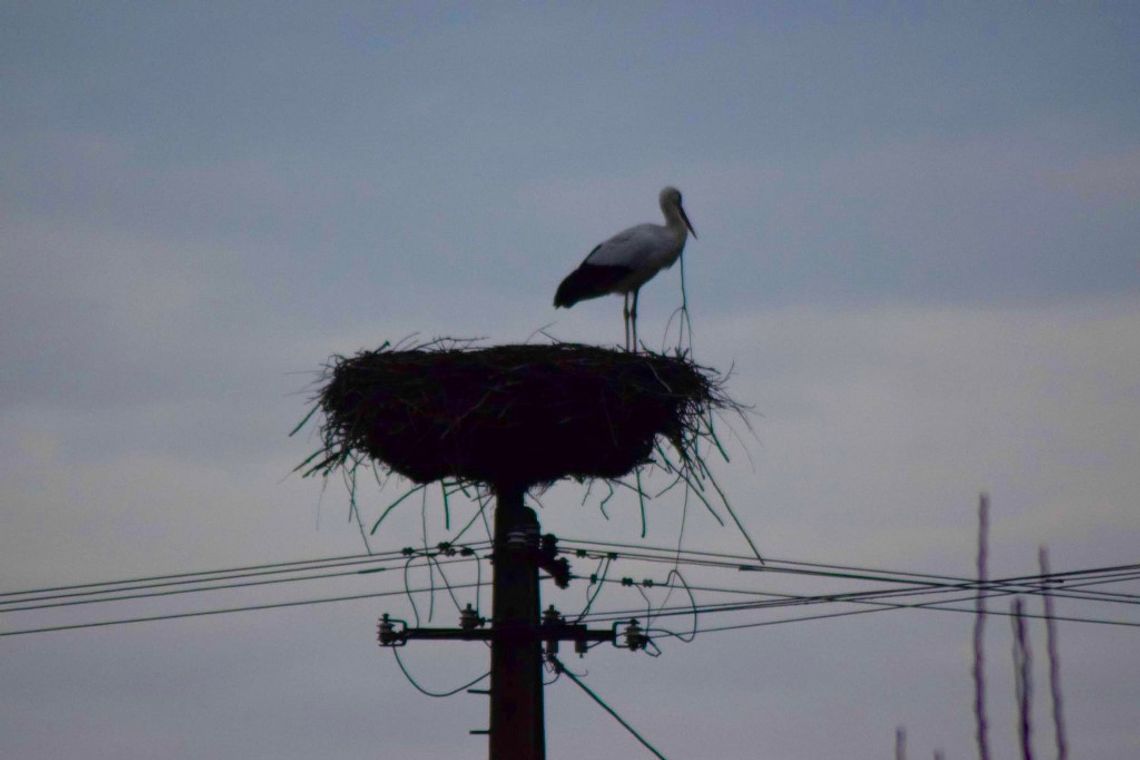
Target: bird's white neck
x: 675, y: 221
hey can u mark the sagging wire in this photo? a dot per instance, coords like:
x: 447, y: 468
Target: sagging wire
x: 478, y: 582
x: 408, y: 587
x: 549, y: 666
x: 422, y: 690
x: 675, y: 573
x: 651, y: 612
x: 434, y: 562
x: 597, y: 579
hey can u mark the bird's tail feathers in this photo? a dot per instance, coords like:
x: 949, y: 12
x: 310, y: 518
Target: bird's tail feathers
x: 588, y: 281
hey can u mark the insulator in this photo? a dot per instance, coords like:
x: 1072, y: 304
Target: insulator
x: 469, y: 618
x: 549, y: 545
x: 635, y: 638
x: 385, y: 631
x: 551, y: 616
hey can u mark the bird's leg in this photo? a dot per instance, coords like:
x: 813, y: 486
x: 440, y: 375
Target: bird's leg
x: 633, y: 319
x: 625, y: 318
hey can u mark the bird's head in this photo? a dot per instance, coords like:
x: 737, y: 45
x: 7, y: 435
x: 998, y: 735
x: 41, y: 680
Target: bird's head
x: 670, y: 200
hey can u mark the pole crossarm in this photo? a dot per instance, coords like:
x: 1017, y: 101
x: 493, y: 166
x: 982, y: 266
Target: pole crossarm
x: 398, y: 633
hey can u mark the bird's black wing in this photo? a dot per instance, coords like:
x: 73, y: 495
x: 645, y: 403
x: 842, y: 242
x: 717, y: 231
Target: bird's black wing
x: 589, y: 281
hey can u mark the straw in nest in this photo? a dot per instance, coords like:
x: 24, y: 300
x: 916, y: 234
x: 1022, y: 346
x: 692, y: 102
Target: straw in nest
x: 509, y: 416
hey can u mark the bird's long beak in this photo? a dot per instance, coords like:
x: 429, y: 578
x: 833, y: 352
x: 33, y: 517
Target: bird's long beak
x: 686, y: 218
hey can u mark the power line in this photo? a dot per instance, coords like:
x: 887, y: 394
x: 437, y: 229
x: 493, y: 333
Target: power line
x: 1045, y: 584
x: 223, y: 611
x: 742, y: 561
x: 875, y: 597
x: 1033, y: 584
x: 215, y: 587
x: 879, y: 606
x: 171, y: 577
x: 998, y: 588
x: 155, y: 581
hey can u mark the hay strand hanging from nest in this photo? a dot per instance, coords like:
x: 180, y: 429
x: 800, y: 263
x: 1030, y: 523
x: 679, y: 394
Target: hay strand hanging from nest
x: 510, y: 416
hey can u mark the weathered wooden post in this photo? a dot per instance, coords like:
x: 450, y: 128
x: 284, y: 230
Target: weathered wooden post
x: 516, y: 653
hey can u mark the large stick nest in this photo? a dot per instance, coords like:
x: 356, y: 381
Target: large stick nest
x: 510, y: 416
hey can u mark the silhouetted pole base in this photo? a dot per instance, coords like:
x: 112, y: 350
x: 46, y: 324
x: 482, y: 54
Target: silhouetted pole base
x: 517, y: 731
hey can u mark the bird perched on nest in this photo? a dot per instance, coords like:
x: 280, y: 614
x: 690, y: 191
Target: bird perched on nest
x: 628, y: 260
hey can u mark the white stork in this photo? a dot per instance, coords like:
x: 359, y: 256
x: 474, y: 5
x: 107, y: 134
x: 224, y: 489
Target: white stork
x: 628, y: 260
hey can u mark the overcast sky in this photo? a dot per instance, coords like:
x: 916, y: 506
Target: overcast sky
x: 919, y: 252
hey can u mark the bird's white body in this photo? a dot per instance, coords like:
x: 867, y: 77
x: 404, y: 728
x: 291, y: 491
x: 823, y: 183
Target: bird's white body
x: 628, y: 260
x: 645, y: 250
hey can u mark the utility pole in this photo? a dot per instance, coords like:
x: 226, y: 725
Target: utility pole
x: 516, y: 654
x: 505, y: 418
x: 518, y: 630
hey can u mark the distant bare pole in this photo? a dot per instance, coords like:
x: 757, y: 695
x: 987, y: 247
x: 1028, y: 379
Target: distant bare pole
x: 1023, y: 679
x: 979, y: 631
x: 900, y: 743
x: 1054, y: 662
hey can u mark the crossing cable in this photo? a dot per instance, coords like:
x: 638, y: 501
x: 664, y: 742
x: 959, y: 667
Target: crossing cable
x: 864, y: 598
x: 741, y: 561
x: 1043, y: 584
x: 848, y: 613
x: 878, y: 606
x: 1026, y: 584
x: 1108, y: 575
x: 996, y: 588
x: 844, y: 571
x: 562, y: 669
x: 1034, y: 584
x: 782, y: 600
